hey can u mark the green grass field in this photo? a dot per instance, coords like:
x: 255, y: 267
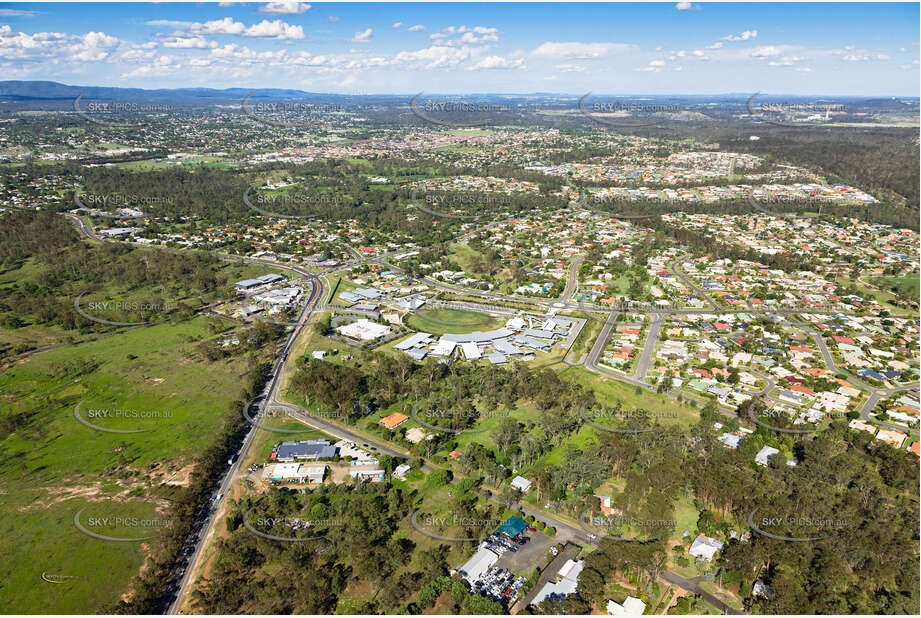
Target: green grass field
x: 610, y: 391
x: 463, y: 255
x: 51, y: 465
x: 112, y: 301
x: 910, y: 284
x: 441, y: 321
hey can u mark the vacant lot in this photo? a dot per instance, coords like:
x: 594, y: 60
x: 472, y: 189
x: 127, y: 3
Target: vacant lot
x: 52, y: 465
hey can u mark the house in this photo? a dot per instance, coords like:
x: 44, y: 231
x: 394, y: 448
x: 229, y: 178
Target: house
x: 705, y: 547
x: 392, y: 421
x: 566, y: 583
x: 765, y: 454
x: 400, y: 471
x: 481, y: 562
x: 862, y: 426
x: 760, y: 589
x: 606, y: 508
x: 895, y: 438
x: 521, y: 484
x: 730, y: 440
x: 632, y: 607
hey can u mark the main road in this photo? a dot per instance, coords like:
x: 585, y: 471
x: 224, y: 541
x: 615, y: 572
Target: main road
x: 179, y: 582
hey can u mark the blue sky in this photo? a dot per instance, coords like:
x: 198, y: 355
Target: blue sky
x: 404, y: 48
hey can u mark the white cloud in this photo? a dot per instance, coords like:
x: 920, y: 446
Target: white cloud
x: 906, y: 67
x: 93, y: 47
x: 417, y: 28
x: 168, y: 23
x: 265, y: 29
x: 217, y: 26
x: 855, y: 57
x: 765, y: 51
x: 363, y: 37
x: 745, y: 36
x: 189, y: 43
x: 436, y: 56
x: 161, y: 66
x: 285, y: 7
x: 467, y: 35
x: 803, y: 69
x: 683, y: 6
x: 786, y: 61
x: 276, y: 29
x: 17, y: 13
x: 882, y: 57
x: 332, y: 19
x: 397, y: 24
x: 569, y: 68
x: 498, y: 62
x: 657, y: 63
x: 717, y: 45
x: 580, y: 50
x: 137, y: 53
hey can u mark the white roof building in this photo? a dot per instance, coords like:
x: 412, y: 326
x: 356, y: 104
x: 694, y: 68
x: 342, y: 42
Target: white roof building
x: 364, y: 329
x: 413, y: 341
x: 471, y: 350
x: 705, y: 547
x: 516, y: 323
x: 566, y: 584
x: 764, y: 455
x: 521, y: 483
x: 400, y: 471
x: 474, y: 568
x: 632, y: 607
x: 444, y: 347
x: 297, y: 471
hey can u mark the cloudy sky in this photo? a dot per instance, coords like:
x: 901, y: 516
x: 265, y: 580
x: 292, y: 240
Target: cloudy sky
x: 402, y: 48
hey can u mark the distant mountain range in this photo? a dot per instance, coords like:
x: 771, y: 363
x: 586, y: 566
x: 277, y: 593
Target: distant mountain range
x: 57, y: 93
